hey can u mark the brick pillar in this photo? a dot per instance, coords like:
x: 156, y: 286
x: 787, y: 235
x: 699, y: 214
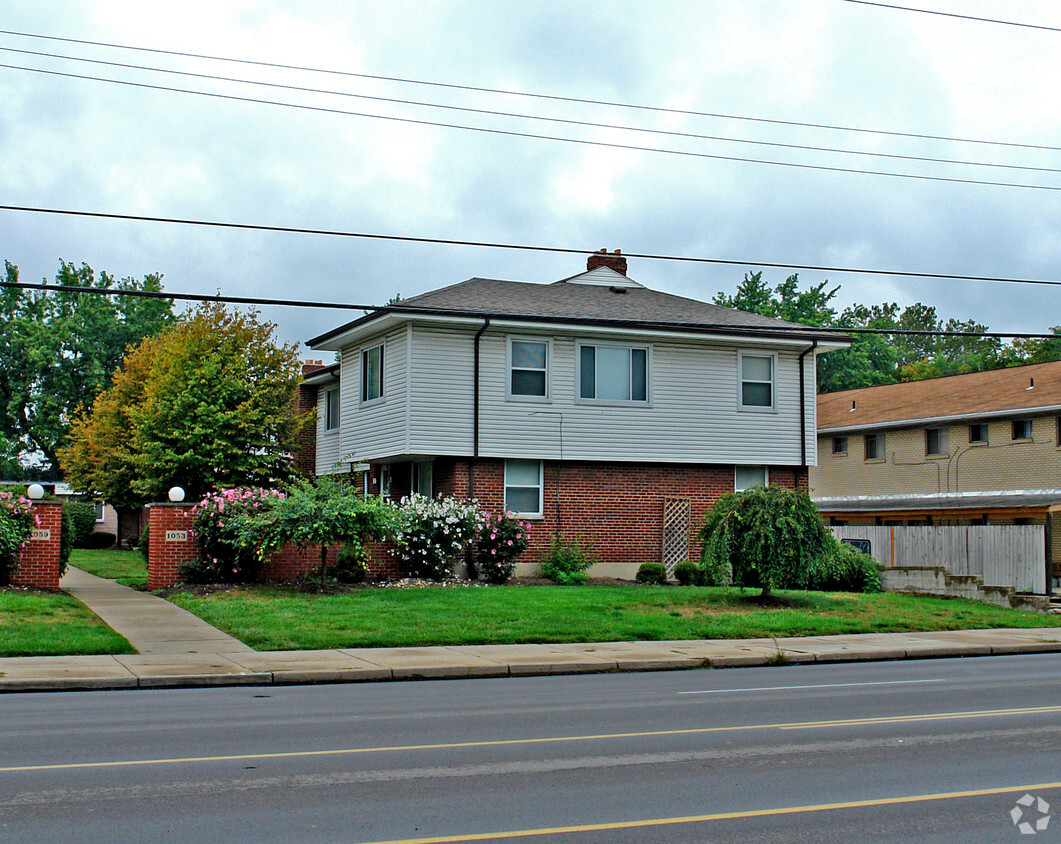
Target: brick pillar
x: 39, y: 561
x: 170, y: 542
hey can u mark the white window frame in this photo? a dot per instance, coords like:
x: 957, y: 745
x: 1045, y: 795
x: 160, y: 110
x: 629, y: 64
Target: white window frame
x: 541, y: 492
x: 422, y: 478
x: 765, y: 481
x: 579, y: 398
x: 542, y: 341
x: 332, y: 412
x: 365, y: 352
x: 756, y: 408
x: 100, y: 510
x: 385, y: 481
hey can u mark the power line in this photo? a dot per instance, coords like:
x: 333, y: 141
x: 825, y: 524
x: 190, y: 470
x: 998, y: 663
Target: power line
x: 522, y: 116
x: 405, y: 308
x: 955, y: 15
x: 514, y: 134
x: 531, y: 95
x: 559, y: 250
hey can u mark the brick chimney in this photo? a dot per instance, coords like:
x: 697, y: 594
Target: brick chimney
x: 311, y: 366
x: 602, y: 258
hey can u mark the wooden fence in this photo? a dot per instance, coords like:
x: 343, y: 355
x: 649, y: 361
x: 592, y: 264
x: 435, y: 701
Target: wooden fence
x: 1003, y: 555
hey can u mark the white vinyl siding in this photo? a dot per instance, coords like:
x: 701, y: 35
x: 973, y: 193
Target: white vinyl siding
x: 377, y: 429
x: 328, y: 452
x: 442, y: 379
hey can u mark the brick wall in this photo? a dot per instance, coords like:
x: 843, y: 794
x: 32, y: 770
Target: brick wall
x: 306, y: 454
x: 39, y: 561
x: 170, y: 543
x: 619, y: 506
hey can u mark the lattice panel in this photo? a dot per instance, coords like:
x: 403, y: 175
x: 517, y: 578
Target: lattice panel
x: 675, y: 532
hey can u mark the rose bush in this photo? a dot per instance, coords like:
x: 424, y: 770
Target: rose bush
x: 229, y: 526
x: 17, y: 519
x: 502, y: 538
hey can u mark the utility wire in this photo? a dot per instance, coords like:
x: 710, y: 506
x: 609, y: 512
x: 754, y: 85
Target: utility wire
x: 559, y: 250
x: 514, y: 134
x: 522, y: 116
x: 955, y: 15
x: 552, y: 97
x: 402, y: 307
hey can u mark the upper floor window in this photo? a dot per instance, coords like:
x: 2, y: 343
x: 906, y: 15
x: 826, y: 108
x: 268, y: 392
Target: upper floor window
x: 613, y: 373
x: 745, y: 477
x: 874, y: 444
x: 756, y: 381
x: 372, y: 373
x: 1022, y: 429
x: 1059, y: 430
x: 978, y: 433
x: 331, y: 409
x: 528, y: 368
x: 935, y: 441
x: 839, y: 445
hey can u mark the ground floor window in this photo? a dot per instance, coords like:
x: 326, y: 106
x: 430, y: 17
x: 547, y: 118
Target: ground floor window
x: 421, y: 480
x: 745, y: 477
x: 523, y: 487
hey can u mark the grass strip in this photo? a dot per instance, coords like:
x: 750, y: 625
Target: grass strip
x: 51, y: 624
x: 126, y: 567
x: 276, y: 618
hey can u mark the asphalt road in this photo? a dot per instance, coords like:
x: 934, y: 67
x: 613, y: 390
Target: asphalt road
x: 931, y: 750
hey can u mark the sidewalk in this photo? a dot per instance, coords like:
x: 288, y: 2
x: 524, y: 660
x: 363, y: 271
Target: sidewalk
x: 177, y: 652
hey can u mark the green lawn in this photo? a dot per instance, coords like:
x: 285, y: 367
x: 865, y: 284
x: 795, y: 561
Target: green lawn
x: 48, y: 624
x: 273, y: 618
x: 126, y: 567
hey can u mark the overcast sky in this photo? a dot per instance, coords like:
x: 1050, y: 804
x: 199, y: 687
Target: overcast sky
x: 102, y: 147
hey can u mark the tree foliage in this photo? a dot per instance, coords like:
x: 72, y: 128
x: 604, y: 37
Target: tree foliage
x: 875, y: 359
x: 61, y: 349
x: 765, y: 536
x: 208, y: 404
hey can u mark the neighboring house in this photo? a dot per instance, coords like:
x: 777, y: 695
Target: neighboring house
x: 593, y: 407
x: 981, y: 448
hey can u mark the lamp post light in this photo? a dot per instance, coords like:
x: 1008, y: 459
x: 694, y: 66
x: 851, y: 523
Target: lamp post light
x: 35, y: 492
x: 176, y: 494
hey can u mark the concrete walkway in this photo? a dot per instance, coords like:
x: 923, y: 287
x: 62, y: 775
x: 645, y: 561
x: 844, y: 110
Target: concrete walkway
x: 178, y: 649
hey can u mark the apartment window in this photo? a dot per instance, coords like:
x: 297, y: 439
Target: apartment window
x: 745, y: 477
x: 978, y: 434
x: 756, y: 381
x: 421, y: 478
x: 523, y: 487
x: 839, y: 445
x: 98, y: 507
x: 874, y: 444
x: 528, y: 368
x: 935, y: 441
x: 372, y: 373
x: 613, y: 373
x: 331, y: 409
x: 385, y: 482
x: 1022, y: 429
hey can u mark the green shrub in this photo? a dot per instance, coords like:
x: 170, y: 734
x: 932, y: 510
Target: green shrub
x: 502, y: 539
x: 566, y: 562
x: 82, y: 519
x: 144, y: 545
x: 765, y: 536
x: 17, y: 520
x: 98, y: 540
x: 651, y: 574
x: 843, y: 568
x: 687, y: 573
x: 351, y: 563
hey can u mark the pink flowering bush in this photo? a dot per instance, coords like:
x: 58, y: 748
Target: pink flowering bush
x: 17, y: 519
x: 502, y: 538
x: 229, y: 526
x: 431, y: 533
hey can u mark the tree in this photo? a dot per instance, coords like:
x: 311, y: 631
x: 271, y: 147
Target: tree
x: 61, y: 349
x: 321, y: 512
x: 207, y: 404
x: 764, y: 536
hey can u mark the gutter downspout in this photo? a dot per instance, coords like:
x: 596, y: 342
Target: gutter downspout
x: 475, y: 412
x: 803, y: 406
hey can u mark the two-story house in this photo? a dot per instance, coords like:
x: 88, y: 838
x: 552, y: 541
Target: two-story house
x: 981, y: 448
x: 593, y: 407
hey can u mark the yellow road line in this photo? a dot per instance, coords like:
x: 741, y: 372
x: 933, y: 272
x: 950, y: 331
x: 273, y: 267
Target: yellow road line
x: 721, y: 816
x: 300, y: 754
